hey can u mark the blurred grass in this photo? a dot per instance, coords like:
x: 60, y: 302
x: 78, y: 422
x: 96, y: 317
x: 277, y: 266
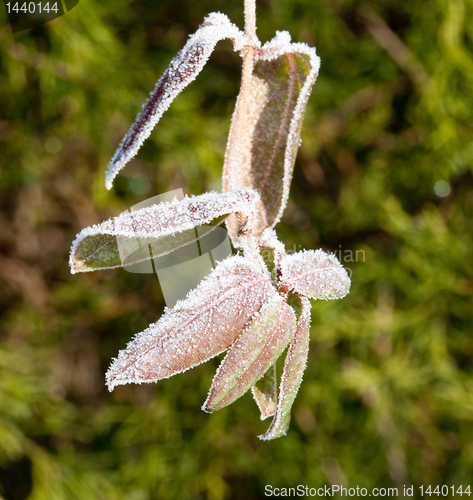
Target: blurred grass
x: 387, y: 398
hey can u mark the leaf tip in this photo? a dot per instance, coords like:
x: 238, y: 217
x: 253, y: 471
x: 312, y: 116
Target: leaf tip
x: 73, y: 264
x: 207, y: 408
x: 110, y: 175
x: 73, y: 269
x: 110, y: 377
x: 119, y: 373
x: 272, y: 435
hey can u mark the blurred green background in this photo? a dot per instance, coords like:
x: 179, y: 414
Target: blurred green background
x: 385, y: 170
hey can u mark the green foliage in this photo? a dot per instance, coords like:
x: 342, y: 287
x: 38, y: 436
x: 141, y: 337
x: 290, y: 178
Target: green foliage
x: 387, y: 395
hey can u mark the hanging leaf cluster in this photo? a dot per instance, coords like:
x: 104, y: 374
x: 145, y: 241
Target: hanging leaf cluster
x: 241, y: 308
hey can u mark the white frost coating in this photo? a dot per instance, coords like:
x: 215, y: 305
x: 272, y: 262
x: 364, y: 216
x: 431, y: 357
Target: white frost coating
x: 315, y: 274
x: 197, y: 328
x: 182, y: 70
x: 282, y: 38
x: 276, y: 47
x: 168, y: 218
x: 175, y: 216
x: 270, y: 239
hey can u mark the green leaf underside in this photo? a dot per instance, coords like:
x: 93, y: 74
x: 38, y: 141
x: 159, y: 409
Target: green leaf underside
x: 98, y: 251
x: 264, y: 161
x: 255, y: 350
x: 295, y: 302
x: 107, y: 251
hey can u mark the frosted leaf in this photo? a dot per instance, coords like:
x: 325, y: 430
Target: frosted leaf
x: 294, y: 366
x: 254, y: 351
x: 163, y: 227
x: 182, y: 70
x: 315, y: 274
x: 266, y: 125
x: 197, y: 328
x: 265, y: 393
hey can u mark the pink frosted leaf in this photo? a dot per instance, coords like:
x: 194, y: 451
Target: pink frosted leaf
x: 182, y: 70
x: 265, y: 393
x: 198, y: 328
x: 266, y: 125
x: 163, y: 228
x: 315, y: 274
x: 294, y: 366
x: 254, y: 351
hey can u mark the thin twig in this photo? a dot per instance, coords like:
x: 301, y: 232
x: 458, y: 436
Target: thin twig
x: 250, y: 19
x: 394, y: 46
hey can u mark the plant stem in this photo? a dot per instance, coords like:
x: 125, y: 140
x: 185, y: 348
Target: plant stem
x: 251, y: 249
x: 250, y: 19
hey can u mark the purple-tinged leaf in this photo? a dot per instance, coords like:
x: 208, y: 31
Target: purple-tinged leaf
x: 163, y: 227
x: 315, y: 274
x: 294, y: 366
x: 266, y: 125
x: 182, y: 70
x: 198, y: 328
x: 265, y: 393
x: 254, y: 351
